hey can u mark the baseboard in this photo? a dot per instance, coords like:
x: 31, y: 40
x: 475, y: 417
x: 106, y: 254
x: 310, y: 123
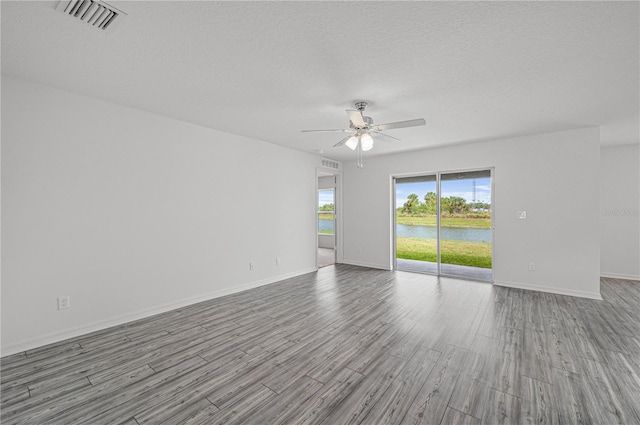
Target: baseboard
x: 77, y: 331
x: 550, y: 289
x: 620, y: 276
x: 361, y: 264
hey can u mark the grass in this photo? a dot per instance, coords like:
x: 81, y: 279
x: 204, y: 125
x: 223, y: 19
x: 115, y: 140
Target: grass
x: 430, y: 220
x: 325, y: 216
x: 474, y: 254
x: 326, y: 232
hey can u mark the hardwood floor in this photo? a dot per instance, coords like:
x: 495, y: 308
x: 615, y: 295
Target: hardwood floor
x: 348, y: 345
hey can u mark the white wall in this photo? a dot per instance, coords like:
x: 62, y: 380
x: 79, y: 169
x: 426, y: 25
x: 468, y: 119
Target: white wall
x: 553, y: 177
x: 620, y: 212
x: 131, y: 213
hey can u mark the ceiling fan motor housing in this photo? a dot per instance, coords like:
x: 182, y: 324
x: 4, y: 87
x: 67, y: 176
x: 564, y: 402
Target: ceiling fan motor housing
x: 361, y: 105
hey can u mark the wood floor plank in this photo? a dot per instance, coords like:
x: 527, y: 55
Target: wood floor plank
x: 614, y: 401
x: 576, y: 404
x: 284, y: 405
x: 502, y: 408
x: 431, y: 401
x: 470, y: 396
x: 347, y: 345
x: 367, y: 392
x: 537, y: 402
x: 536, y: 357
x: 202, y: 412
x: 454, y: 417
x: 401, y: 393
x: 324, y: 402
x: 244, y: 405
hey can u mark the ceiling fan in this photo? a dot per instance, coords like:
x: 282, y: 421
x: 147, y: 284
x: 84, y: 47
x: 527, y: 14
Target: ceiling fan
x: 364, y: 132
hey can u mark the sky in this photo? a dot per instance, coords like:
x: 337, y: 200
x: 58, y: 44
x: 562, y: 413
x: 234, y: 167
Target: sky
x: 325, y: 197
x: 462, y: 188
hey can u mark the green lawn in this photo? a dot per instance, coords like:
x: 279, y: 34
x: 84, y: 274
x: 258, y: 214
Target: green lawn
x: 475, y: 254
x: 484, y: 223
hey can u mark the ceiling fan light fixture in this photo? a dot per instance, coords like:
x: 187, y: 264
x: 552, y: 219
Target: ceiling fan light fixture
x: 364, y: 130
x: 367, y: 142
x: 352, y: 143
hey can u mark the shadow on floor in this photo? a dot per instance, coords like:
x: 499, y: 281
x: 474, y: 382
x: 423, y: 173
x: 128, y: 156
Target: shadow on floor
x: 475, y: 273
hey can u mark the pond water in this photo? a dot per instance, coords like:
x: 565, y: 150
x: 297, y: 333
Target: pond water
x: 325, y: 225
x: 470, y: 234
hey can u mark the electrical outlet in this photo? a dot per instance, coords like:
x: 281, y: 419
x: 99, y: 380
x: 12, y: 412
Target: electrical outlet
x: 522, y: 215
x: 63, y: 302
x: 251, y: 266
x: 532, y: 267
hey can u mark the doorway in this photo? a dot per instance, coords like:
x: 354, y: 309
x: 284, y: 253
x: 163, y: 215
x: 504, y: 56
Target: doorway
x: 444, y: 224
x: 326, y: 222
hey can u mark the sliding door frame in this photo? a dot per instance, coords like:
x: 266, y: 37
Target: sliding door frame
x: 438, y: 174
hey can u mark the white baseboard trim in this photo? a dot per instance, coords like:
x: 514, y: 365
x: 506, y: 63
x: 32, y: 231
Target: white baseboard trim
x: 361, y: 264
x: 620, y: 276
x: 77, y: 331
x: 550, y: 289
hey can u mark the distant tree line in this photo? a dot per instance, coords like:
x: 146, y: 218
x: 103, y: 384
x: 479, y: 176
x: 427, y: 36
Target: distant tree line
x: 450, y: 205
x: 326, y: 207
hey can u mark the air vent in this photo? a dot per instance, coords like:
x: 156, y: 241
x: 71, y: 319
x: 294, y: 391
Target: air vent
x: 96, y: 13
x: 330, y: 164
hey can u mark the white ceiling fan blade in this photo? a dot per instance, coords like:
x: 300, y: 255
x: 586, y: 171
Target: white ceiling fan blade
x: 327, y: 131
x: 400, y: 124
x: 342, y: 142
x: 356, y: 118
x: 384, y: 137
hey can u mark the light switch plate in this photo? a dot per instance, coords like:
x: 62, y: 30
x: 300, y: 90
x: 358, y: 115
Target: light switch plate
x: 521, y: 215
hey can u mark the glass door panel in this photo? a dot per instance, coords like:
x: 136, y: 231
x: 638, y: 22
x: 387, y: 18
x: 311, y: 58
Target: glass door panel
x: 326, y: 227
x: 466, y: 225
x: 416, y: 227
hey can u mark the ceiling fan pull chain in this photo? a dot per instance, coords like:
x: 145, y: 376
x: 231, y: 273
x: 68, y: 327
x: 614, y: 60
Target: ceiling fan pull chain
x: 360, y: 164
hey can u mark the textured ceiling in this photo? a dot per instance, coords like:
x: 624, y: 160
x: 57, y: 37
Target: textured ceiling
x: 473, y: 70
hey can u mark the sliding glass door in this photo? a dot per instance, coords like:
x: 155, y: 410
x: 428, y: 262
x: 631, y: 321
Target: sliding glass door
x: 416, y: 238
x: 443, y: 224
x: 465, y: 224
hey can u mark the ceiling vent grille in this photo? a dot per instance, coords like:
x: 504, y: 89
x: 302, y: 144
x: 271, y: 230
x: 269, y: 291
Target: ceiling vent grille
x: 96, y: 13
x: 330, y: 164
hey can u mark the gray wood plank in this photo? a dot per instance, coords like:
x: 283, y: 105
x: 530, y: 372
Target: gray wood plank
x: 367, y: 392
x: 298, y: 394
x: 470, y: 396
x: 537, y: 402
x: 431, y: 401
x: 454, y: 417
x: 202, y: 412
x: 501, y: 409
x: 324, y: 402
x: 347, y: 344
x: 401, y: 393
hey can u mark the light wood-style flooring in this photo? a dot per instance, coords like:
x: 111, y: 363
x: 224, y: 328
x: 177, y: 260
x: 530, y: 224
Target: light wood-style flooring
x: 347, y: 345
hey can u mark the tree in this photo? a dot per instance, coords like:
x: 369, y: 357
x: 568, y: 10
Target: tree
x: 457, y: 205
x: 431, y: 202
x: 412, y: 203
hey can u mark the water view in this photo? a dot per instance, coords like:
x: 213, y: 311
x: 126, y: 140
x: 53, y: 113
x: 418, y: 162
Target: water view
x: 461, y: 203
x: 453, y: 233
